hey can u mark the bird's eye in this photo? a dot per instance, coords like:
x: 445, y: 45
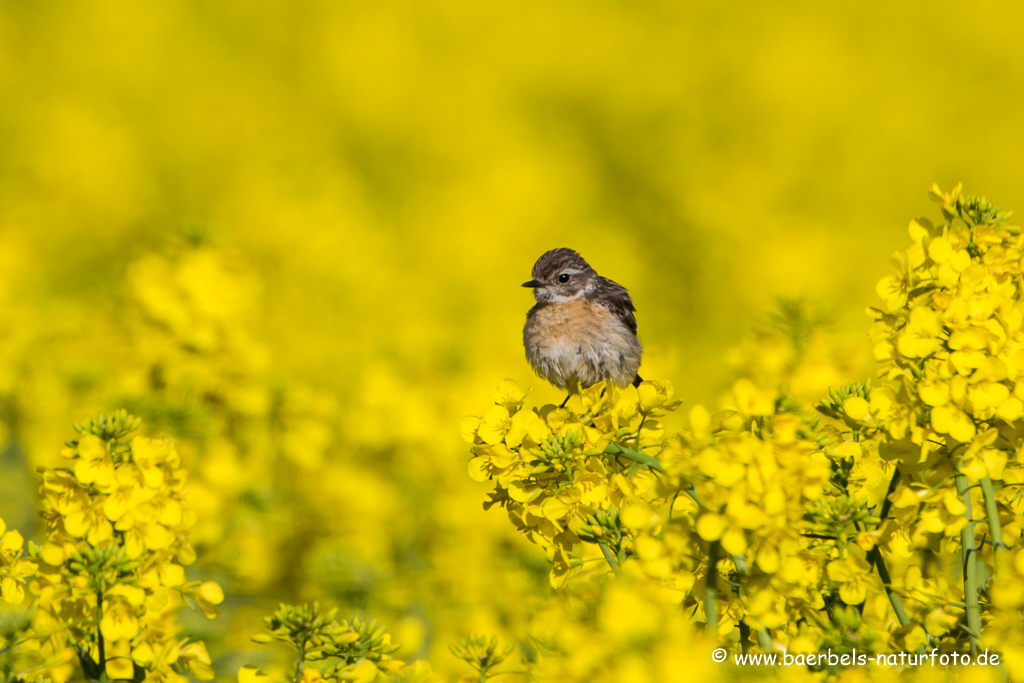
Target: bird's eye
x: 564, y: 277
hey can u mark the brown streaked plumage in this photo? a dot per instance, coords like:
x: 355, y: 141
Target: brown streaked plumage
x: 582, y: 330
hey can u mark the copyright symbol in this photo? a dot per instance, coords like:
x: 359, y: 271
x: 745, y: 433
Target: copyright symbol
x: 719, y: 655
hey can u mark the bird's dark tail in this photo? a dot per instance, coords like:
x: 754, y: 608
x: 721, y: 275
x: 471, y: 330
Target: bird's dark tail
x: 637, y: 380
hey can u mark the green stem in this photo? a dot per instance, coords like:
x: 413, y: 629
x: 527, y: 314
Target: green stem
x: 298, y: 665
x: 764, y: 639
x: 995, y: 528
x: 643, y: 418
x: 609, y: 555
x: 99, y: 633
x: 710, y: 590
x: 887, y: 503
x: 875, y: 556
x: 969, y: 559
x: 744, y: 636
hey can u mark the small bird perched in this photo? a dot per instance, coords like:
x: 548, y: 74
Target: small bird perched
x: 582, y: 330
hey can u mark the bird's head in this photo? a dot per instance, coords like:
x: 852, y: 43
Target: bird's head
x: 561, y: 275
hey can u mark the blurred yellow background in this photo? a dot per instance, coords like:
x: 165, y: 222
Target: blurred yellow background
x: 392, y: 170
x: 328, y: 208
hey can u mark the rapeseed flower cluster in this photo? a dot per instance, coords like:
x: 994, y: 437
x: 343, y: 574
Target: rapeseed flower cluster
x: 109, y: 580
x: 886, y: 517
x: 950, y: 345
x: 14, y: 569
x: 720, y: 504
x: 561, y: 473
x: 351, y: 650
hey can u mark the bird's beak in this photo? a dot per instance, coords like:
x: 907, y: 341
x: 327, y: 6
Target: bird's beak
x: 533, y: 284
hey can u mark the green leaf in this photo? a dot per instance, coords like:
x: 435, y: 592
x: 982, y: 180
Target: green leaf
x: 636, y: 456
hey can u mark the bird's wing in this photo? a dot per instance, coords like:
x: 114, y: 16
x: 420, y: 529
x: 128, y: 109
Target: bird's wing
x: 619, y: 302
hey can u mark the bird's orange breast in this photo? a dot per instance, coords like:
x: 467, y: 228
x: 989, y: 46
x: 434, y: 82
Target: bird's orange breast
x: 571, y: 322
x: 580, y: 342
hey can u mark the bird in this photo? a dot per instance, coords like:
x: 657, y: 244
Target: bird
x: 582, y: 329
